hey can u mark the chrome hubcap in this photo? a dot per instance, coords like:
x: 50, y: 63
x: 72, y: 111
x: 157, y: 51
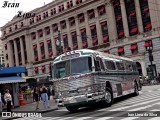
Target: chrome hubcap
x: 108, y: 97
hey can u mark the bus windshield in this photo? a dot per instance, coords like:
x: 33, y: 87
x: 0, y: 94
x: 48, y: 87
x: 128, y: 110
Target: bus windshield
x: 72, y: 67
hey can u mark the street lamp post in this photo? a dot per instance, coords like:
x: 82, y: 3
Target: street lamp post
x: 59, y: 42
x: 149, y: 49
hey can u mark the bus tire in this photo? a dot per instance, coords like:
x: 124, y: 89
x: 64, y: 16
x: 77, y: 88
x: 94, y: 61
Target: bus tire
x: 136, y: 91
x: 72, y: 109
x: 108, y: 97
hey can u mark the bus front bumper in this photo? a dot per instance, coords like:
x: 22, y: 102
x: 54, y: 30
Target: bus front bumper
x: 80, y: 99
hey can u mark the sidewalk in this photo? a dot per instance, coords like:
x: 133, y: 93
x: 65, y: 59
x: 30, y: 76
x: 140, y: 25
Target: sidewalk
x: 32, y: 108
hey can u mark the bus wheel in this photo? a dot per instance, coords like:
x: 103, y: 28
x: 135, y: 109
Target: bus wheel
x: 136, y: 91
x: 108, y: 97
x: 72, y: 108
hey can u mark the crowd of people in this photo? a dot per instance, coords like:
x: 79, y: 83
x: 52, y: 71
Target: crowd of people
x: 42, y: 93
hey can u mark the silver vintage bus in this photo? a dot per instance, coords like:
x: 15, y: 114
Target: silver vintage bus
x: 87, y: 76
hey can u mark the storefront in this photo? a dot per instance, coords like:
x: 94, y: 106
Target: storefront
x: 10, y: 80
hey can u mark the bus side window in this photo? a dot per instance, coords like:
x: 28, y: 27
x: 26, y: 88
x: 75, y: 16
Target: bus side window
x: 97, y: 66
x: 101, y: 64
x: 129, y: 66
x: 110, y: 65
x: 120, y: 65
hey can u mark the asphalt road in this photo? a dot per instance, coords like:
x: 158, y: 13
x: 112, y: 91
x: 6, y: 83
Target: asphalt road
x: 146, y: 106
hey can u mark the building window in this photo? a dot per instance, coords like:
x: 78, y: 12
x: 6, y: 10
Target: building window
x: 36, y: 70
x: 84, y: 38
x: 104, y: 29
x: 43, y: 69
x: 120, y: 51
x: 63, y: 24
x: 33, y: 35
x: 54, y: 10
x: 31, y: 21
x: 101, y: 10
x: 65, y: 40
x: 15, y: 27
x: 148, y: 43
x: 69, y: 4
x: 61, y: 8
x: 74, y: 40
x: 91, y: 14
x: 21, y: 24
x: 4, y: 32
x: 81, y: 18
x: 55, y: 27
x: 131, y: 17
x: 40, y: 33
x: 42, y: 50
x: 134, y: 48
x: 51, y: 12
x: 35, y: 52
x: 10, y: 29
x: 72, y: 21
x: 94, y: 35
x: 47, y: 30
x: 6, y: 56
x: 145, y: 15
x: 78, y: 1
x: 45, y: 15
x: 5, y: 46
x: 50, y: 53
x: 39, y: 17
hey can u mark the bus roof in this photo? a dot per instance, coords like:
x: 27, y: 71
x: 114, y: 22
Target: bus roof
x: 88, y: 52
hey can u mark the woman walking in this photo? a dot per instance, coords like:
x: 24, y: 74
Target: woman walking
x: 8, y: 99
x: 36, y: 97
x: 44, y: 96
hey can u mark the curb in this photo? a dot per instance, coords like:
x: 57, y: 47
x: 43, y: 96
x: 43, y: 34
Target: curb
x: 44, y: 111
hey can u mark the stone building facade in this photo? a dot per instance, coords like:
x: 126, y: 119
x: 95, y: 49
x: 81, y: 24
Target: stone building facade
x: 121, y: 27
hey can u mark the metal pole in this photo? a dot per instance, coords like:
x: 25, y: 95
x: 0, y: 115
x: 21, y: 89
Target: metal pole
x: 150, y: 59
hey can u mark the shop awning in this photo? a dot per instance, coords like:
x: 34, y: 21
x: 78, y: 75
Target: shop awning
x: 14, y: 79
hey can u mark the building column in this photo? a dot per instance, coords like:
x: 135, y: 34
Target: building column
x: 53, y: 42
x: 98, y: 28
x: 70, y: 44
x: 111, y: 23
x: 124, y: 18
x: 29, y: 48
x: 78, y: 33
x: 22, y: 50
x: 45, y: 43
x: 139, y: 17
x: 154, y: 8
x: 16, y: 52
x: 88, y: 32
x: 10, y: 54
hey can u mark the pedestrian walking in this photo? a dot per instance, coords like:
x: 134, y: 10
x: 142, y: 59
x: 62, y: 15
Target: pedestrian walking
x: 44, y: 96
x: 36, y: 97
x: 8, y: 99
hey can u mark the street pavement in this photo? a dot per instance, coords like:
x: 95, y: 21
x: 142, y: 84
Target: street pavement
x: 125, y: 108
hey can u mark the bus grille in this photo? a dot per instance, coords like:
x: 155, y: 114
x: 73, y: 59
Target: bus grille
x: 67, y: 85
